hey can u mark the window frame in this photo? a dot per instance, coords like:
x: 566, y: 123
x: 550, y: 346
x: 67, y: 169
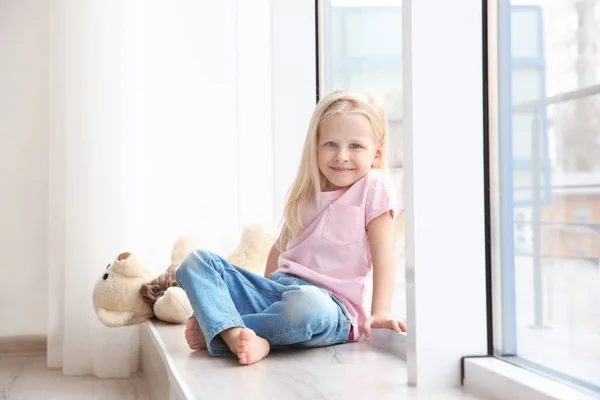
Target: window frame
x: 505, y: 346
x: 431, y: 362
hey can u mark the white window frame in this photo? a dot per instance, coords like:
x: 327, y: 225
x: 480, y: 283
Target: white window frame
x: 445, y: 250
x: 444, y: 188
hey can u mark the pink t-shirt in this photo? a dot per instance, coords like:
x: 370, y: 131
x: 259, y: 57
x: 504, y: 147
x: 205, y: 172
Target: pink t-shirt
x: 333, y: 251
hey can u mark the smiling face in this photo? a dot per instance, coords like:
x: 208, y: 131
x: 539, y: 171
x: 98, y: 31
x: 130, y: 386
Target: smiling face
x: 346, y: 149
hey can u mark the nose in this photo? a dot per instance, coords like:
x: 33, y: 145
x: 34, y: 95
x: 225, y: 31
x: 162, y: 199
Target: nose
x: 341, y: 155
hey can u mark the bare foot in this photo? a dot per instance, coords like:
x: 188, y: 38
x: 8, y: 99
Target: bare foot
x: 249, y: 347
x: 193, y: 335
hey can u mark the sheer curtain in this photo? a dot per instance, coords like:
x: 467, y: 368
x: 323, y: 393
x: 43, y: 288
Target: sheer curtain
x: 143, y: 148
x: 86, y: 185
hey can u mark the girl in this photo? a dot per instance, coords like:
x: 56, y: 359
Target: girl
x: 338, y: 226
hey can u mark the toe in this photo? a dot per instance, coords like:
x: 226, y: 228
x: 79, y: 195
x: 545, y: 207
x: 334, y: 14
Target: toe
x: 194, y: 333
x: 246, y: 334
x: 196, y: 345
x: 190, y: 323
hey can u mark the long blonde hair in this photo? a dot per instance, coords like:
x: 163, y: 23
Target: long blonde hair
x: 309, y: 180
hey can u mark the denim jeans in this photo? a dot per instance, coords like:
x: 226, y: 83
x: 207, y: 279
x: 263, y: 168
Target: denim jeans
x: 284, y: 310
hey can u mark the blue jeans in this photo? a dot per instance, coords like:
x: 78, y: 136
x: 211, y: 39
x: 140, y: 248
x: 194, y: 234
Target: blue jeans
x: 284, y: 310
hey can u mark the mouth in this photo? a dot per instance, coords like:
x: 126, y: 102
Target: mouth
x: 342, y: 170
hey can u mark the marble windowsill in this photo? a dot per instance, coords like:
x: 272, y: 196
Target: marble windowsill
x: 349, y: 371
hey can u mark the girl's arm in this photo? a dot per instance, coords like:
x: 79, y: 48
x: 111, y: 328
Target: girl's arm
x: 273, y: 257
x: 381, y: 237
x: 272, y: 261
x: 380, y: 232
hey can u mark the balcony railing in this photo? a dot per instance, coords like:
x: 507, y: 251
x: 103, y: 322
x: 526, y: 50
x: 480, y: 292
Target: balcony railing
x: 536, y: 188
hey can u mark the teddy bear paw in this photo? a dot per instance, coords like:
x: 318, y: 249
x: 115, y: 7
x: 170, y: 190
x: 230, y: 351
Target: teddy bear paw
x: 173, y: 306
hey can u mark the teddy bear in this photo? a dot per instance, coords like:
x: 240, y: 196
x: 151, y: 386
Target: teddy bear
x: 127, y: 293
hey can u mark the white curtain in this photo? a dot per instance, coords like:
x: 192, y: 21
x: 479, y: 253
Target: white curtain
x: 86, y: 185
x: 143, y: 147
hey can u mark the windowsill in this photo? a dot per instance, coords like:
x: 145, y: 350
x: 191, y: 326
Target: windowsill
x: 343, y: 371
x: 390, y: 341
x: 489, y: 377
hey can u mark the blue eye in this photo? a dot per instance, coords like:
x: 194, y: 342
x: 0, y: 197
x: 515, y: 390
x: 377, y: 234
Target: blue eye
x: 330, y: 144
x: 355, y: 146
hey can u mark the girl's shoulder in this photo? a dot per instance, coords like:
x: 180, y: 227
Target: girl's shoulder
x: 384, y: 188
x: 376, y: 174
x: 378, y: 179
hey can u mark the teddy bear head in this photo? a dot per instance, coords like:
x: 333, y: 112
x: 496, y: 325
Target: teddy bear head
x: 116, y: 297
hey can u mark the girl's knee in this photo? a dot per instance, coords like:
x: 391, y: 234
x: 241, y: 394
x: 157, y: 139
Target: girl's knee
x: 309, y: 303
x: 196, y: 259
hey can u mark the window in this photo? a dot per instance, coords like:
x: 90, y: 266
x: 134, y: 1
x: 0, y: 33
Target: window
x: 581, y: 252
x: 361, y: 49
x: 582, y: 213
x: 548, y: 98
x: 522, y: 231
x: 519, y: 220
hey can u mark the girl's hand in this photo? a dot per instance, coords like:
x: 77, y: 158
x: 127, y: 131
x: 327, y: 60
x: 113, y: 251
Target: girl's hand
x: 385, y: 320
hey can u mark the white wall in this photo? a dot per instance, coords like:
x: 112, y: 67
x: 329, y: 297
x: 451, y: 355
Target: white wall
x: 23, y: 166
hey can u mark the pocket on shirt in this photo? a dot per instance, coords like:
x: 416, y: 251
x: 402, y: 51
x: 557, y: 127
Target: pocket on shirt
x: 343, y: 224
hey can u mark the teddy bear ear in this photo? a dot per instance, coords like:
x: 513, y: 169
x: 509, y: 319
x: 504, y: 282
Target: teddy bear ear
x: 114, y: 319
x: 182, y: 247
x: 130, y: 266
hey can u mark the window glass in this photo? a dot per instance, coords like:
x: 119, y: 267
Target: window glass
x: 549, y: 152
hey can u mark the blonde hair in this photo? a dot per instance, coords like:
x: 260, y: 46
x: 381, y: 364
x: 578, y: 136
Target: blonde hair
x: 309, y: 181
